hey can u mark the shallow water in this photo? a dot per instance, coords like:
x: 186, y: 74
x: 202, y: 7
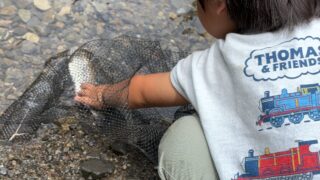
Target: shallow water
x: 29, y: 35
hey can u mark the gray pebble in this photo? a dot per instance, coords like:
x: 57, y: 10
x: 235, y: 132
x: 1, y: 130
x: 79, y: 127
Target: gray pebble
x: 10, y: 55
x: 120, y: 148
x: 29, y: 47
x: 182, y: 11
x: 10, y: 173
x: 42, y: 30
x: 20, y: 31
x: 34, y: 21
x: 22, y: 3
x: 96, y: 168
x: 2, y: 32
x: 77, y: 8
x: 3, y: 170
x: 12, y: 97
x: 24, y: 14
x: 8, y: 10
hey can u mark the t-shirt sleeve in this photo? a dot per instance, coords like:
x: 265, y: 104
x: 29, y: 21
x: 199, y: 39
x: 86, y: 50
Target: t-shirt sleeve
x: 182, y: 75
x: 178, y: 73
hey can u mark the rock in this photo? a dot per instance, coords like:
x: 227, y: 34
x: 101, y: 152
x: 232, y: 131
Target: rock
x: 178, y: 3
x: 43, y: 31
x: 14, y: 75
x: 34, y: 21
x: 6, y: 35
x: 42, y: 4
x: 65, y: 10
x: 96, y: 168
x: 100, y: 27
x: 5, y: 23
x: 2, y: 32
x: 31, y: 37
x: 120, y: 148
x: 25, y: 15
x: 22, y: 3
x: 8, y: 11
x: 6, y: 63
x: 49, y: 16
x: 19, y: 31
x: 93, y: 154
x: 172, y: 16
x: 3, y: 170
x: 29, y: 47
x: 12, y: 97
x: 183, y: 11
x: 72, y: 37
x: 60, y: 25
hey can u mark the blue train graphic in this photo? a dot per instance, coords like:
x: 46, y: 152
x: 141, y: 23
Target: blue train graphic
x: 292, y: 106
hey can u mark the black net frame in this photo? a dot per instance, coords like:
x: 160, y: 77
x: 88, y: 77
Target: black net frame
x: 102, y: 61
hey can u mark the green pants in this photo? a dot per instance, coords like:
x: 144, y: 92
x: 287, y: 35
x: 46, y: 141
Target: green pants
x: 184, y: 153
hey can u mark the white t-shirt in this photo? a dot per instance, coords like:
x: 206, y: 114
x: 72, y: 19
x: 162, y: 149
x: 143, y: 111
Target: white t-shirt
x: 258, y: 99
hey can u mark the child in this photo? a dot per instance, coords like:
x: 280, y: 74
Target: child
x: 264, y: 64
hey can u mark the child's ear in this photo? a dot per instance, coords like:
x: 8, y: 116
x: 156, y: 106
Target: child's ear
x: 221, y: 7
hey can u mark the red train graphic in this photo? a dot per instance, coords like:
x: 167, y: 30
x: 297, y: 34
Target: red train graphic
x: 295, y: 163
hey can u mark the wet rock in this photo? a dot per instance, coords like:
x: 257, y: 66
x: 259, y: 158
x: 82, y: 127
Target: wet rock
x: 22, y: 3
x: 49, y: 16
x: 100, y: 28
x: 172, y: 16
x: 5, y: 23
x: 181, y: 4
x: 19, y: 31
x: 14, y: 75
x: 72, y: 37
x: 12, y: 97
x: 65, y: 10
x: 3, y: 170
x: 183, y: 11
x: 8, y: 11
x: 25, y: 15
x: 34, y: 21
x: 6, y: 35
x: 2, y: 32
x: 6, y: 63
x: 42, y: 30
x: 96, y: 168
x: 42, y: 4
x: 120, y: 148
x: 93, y: 154
x: 29, y: 47
x: 32, y: 37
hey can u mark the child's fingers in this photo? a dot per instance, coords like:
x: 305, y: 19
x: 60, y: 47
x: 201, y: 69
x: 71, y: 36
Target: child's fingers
x: 86, y: 85
x: 82, y: 93
x: 85, y: 92
x: 85, y: 100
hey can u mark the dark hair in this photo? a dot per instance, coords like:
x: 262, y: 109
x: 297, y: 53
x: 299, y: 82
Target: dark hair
x: 256, y: 16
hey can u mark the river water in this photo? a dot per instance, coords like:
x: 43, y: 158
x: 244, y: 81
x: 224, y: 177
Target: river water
x: 31, y: 31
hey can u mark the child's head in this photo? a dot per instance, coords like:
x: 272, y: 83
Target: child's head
x: 220, y: 17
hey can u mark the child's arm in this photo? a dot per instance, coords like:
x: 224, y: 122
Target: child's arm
x: 144, y: 91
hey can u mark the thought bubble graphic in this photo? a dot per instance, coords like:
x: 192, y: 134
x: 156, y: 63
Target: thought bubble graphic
x: 290, y: 59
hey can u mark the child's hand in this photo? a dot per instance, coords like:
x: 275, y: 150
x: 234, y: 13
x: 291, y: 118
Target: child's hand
x: 91, y: 95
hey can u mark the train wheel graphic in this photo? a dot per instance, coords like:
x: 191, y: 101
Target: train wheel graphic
x: 296, y: 118
x: 314, y: 115
x: 276, y: 121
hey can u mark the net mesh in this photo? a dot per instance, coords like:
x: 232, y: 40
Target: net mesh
x: 109, y: 61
